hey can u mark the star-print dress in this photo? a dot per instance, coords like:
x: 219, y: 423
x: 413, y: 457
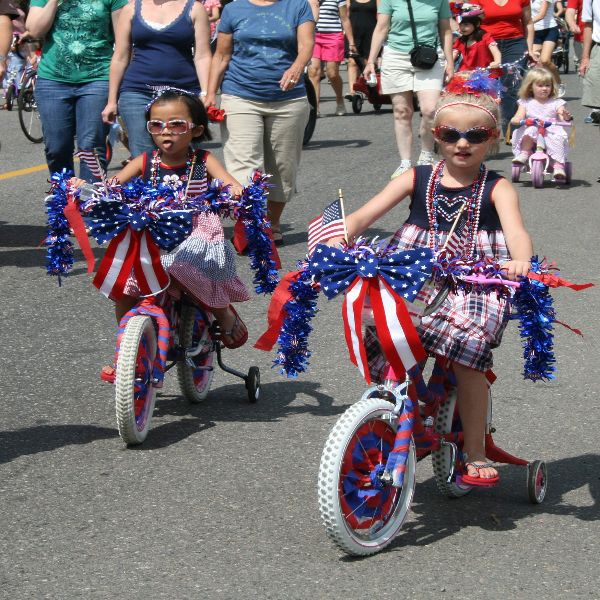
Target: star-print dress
x: 466, y: 327
x: 204, y: 263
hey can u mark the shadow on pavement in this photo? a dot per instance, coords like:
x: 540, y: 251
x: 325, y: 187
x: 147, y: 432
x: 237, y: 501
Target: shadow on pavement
x: 44, y: 438
x: 18, y: 236
x: 316, y: 144
x: 36, y: 257
x: 501, y: 508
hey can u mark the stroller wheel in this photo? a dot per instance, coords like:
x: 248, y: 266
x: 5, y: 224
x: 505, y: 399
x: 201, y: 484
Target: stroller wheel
x: 376, y: 107
x: 357, y: 103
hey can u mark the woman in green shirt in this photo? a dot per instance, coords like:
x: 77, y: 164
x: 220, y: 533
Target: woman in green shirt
x: 72, y: 85
x: 400, y: 79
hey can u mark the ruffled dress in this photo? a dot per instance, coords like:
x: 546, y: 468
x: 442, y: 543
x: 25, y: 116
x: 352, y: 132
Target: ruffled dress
x: 204, y: 263
x: 466, y: 327
x: 557, y: 139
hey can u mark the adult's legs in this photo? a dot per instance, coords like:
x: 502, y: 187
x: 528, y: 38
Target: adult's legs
x: 546, y: 50
x: 315, y: 71
x: 132, y: 107
x: 513, y: 51
x: 427, y: 103
x: 402, y: 104
x: 284, y: 129
x: 353, y: 73
x: 56, y: 104
x: 91, y: 131
x: 332, y: 70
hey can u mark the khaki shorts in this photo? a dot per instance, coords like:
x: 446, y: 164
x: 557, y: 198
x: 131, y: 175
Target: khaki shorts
x: 591, y: 81
x: 398, y: 75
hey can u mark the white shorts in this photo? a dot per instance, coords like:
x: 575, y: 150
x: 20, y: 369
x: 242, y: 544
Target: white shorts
x: 398, y: 75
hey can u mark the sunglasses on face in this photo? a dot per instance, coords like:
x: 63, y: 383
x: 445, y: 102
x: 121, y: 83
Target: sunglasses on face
x: 175, y: 126
x: 476, y: 135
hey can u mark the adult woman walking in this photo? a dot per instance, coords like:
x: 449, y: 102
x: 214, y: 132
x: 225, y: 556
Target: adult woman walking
x: 262, y: 49
x: 72, y: 85
x: 159, y: 43
x: 329, y: 48
x: 509, y: 23
x: 363, y: 18
x: 403, y: 74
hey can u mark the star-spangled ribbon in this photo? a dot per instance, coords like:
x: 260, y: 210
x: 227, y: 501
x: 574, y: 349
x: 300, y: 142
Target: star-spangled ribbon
x: 387, y: 281
x: 167, y: 228
x: 405, y: 272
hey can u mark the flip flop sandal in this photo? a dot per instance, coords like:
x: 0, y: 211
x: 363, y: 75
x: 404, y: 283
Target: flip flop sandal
x: 108, y: 373
x: 229, y: 333
x: 479, y: 481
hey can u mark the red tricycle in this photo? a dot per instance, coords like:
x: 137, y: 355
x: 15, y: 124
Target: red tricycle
x: 363, y: 91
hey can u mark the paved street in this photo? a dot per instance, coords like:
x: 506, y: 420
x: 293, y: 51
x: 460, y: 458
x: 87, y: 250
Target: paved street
x: 220, y: 502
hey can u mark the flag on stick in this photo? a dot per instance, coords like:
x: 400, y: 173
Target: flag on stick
x: 327, y: 225
x: 455, y: 239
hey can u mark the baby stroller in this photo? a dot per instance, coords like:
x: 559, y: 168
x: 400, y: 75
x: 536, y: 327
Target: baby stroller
x: 560, y: 56
x: 363, y: 91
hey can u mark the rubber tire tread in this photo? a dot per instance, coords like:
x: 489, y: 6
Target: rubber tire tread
x: 537, y: 173
x: 21, y: 110
x: 331, y: 460
x: 125, y: 379
x: 440, y: 459
x: 185, y: 373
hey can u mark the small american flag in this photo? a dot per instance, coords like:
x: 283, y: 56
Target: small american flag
x: 90, y: 158
x: 327, y: 225
x: 455, y: 241
x: 197, y: 179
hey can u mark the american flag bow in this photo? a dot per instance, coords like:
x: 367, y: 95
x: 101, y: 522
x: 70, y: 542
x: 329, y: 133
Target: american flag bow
x: 135, y: 239
x: 327, y: 225
x: 388, y: 281
x: 90, y: 158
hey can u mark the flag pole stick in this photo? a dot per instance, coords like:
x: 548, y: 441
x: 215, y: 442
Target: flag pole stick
x: 190, y: 175
x: 341, y: 197
x: 102, y: 172
x: 453, y: 226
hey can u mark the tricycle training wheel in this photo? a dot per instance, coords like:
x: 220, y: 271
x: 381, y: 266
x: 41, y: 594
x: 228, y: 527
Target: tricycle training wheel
x: 537, y: 481
x: 193, y: 329
x: 441, y: 459
x: 253, y: 384
x: 357, y: 103
x: 516, y: 172
x: 133, y: 383
x: 361, y: 513
x: 537, y: 173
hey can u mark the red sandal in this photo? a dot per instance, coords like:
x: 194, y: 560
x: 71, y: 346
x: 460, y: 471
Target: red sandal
x: 479, y: 481
x: 229, y: 333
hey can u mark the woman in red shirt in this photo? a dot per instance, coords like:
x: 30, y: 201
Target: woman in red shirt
x: 509, y: 23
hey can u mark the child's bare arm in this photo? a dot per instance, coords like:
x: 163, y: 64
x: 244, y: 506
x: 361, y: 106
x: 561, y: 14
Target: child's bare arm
x: 519, y: 115
x: 563, y: 113
x: 393, y: 193
x: 506, y: 200
x: 217, y: 171
x: 134, y: 168
x: 496, y: 56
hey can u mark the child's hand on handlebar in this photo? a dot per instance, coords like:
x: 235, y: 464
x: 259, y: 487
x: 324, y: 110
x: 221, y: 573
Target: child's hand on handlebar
x: 75, y: 182
x: 516, y: 268
x: 335, y: 241
x: 236, y: 191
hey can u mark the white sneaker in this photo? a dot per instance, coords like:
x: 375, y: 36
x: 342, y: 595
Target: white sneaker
x: 521, y: 159
x: 426, y: 158
x: 405, y: 165
x: 340, y: 109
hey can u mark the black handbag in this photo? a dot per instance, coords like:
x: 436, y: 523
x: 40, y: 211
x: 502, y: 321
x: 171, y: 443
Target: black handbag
x: 422, y: 56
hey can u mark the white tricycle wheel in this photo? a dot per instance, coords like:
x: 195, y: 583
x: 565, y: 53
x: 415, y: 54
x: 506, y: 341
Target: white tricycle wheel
x: 361, y: 515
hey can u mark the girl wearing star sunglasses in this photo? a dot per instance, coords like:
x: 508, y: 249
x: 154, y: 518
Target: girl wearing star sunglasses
x: 484, y: 208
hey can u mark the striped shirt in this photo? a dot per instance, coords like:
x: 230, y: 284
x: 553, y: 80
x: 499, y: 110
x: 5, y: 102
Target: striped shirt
x: 329, y: 16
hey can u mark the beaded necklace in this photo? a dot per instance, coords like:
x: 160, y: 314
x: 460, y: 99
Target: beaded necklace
x: 155, y: 167
x: 435, y: 202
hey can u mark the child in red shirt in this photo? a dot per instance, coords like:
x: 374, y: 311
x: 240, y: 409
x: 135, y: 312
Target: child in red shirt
x: 476, y: 48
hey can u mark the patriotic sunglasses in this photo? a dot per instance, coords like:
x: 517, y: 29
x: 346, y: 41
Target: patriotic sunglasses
x: 175, y: 126
x: 475, y: 135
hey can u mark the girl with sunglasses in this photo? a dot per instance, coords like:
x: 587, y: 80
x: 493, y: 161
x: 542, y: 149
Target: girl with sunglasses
x: 204, y: 264
x: 484, y: 208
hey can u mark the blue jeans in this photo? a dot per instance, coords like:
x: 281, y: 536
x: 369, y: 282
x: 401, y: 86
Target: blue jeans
x: 132, y: 107
x: 68, y: 110
x: 512, y: 50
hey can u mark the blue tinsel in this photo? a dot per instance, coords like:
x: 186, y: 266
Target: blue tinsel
x: 293, y: 353
x: 536, y: 315
x: 59, y: 248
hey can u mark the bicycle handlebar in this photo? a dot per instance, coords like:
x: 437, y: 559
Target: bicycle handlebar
x: 542, y: 123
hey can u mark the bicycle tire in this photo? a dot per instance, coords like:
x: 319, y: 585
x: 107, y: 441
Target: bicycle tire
x: 312, y: 115
x: 134, y: 391
x: 29, y: 124
x: 193, y: 328
x: 441, y: 459
x: 9, y: 97
x: 346, y: 477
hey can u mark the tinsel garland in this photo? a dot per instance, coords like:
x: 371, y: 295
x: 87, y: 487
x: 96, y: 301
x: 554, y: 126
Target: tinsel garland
x: 142, y: 196
x: 293, y: 353
x: 59, y: 248
x: 536, y: 315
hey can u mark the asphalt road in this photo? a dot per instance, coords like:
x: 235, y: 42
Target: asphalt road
x: 221, y: 500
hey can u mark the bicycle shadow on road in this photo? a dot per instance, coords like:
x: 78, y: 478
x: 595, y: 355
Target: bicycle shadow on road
x: 229, y: 403
x: 46, y: 438
x: 501, y: 508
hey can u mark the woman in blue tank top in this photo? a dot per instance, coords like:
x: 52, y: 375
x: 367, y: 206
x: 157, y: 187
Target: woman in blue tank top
x: 157, y: 44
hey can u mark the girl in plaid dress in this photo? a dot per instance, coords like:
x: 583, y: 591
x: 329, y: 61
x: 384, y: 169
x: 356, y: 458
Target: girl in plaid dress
x: 466, y: 327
